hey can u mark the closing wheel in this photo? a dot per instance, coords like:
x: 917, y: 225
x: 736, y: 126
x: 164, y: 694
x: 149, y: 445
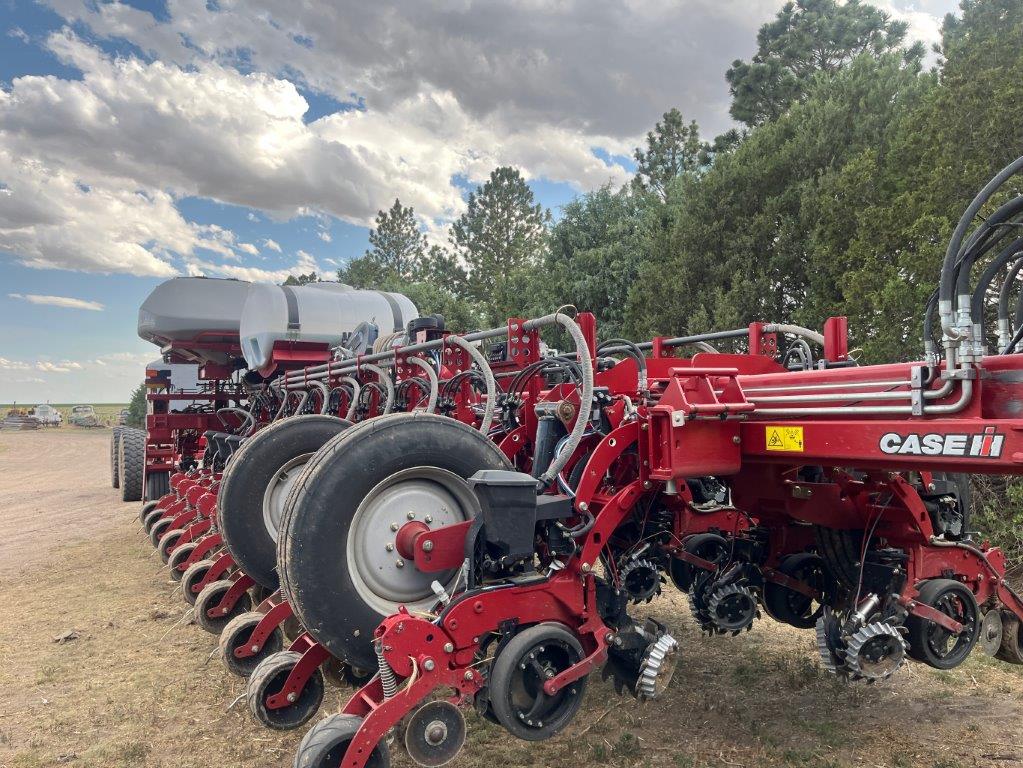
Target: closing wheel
x: 146, y: 508
x: 256, y: 483
x: 178, y: 557
x: 933, y: 644
x: 167, y: 542
x: 991, y: 632
x: 236, y: 635
x: 795, y: 608
x: 1011, y: 648
x: 157, y: 529
x: 325, y: 744
x: 268, y: 678
x: 435, y: 734
x: 195, y: 573
x: 150, y: 520
x: 340, y: 567
x: 709, y: 546
x: 520, y: 669
x: 210, y: 596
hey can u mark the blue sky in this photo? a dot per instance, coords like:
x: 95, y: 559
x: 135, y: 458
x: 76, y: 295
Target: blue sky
x: 252, y: 139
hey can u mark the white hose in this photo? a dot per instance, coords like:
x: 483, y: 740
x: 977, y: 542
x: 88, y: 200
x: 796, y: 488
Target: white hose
x: 488, y: 376
x: 385, y: 379
x: 431, y: 403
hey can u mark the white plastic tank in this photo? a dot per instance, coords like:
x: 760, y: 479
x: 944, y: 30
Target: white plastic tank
x: 186, y: 307
x: 317, y: 312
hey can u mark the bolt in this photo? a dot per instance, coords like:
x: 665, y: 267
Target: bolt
x: 429, y: 518
x: 428, y: 546
x: 736, y: 440
x: 255, y: 648
x: 448, y: 647
x: 428, y: 665
x: 400, y: 563
x: 647, y: 485
x: 389, y: 547
x: 394, y: 526
x: 291, y: 697
x: 468, y: 674
x: 583, y: 506
x: 411, y: 515
x: 586, y: 567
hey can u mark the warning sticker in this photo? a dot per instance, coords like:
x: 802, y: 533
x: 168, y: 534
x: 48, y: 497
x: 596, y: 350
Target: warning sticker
x: 785, y: 439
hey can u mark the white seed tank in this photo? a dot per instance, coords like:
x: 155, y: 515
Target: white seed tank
x: 317, y: 312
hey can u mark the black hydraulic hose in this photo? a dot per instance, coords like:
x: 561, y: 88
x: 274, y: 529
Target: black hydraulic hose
x: 1006, y: 289
x: 946, y: 283
x: 988, y: 236
x: 980, y: 292
x: 633, y: 351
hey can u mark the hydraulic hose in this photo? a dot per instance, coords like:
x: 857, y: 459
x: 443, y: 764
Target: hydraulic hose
x: 353, y: 404
x: 488, y: 377
x: 582, y: 420
x: 1005, y: 325
x: 431, y: 403
x: 635, y: 353
x: 946, y: 285
x: 385, y: 380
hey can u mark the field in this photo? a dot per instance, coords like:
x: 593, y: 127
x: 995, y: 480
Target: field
x: 138, y: 686
x: 107, y: 412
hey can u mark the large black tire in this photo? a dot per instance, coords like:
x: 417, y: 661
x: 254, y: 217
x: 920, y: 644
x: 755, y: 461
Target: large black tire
x: 256, y: 483
x: 115, y: 443
x: 157, y: 485
x: 331, y: 596
x: 131, y: 463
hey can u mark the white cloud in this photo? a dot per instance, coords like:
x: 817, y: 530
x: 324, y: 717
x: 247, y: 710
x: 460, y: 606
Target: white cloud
x: 59, y: 301
x: 273, y: 245
x: 65, y: 366
x: 324, y: 236
x: 248, y: 248
x: 13, y: 365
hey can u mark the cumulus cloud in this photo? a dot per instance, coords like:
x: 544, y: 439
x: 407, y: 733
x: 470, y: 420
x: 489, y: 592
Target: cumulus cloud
x: 59, y: 301
x: 428, y: 94
x: 65, y: 366
x: 273, y: 245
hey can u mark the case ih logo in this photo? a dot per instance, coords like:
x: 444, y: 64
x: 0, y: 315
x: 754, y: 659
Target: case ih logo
x: 986, y: 445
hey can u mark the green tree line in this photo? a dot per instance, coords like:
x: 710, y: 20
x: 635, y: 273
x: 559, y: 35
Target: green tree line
x: 835, y: 194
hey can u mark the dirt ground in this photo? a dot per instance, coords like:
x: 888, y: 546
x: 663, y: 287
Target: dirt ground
x: 138, y: 687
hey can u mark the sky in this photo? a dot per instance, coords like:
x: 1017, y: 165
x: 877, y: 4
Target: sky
x: 258, y: 138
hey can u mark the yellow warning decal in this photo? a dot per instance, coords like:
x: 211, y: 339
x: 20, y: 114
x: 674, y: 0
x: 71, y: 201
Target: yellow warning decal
x: 785, y: 439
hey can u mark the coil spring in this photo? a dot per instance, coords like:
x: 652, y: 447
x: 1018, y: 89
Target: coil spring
x: 387, y: 681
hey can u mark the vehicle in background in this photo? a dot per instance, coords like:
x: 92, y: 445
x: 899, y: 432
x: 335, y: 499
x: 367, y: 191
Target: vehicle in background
x: 47, y: 415
x: 83, y: 416
x: 122, y: 417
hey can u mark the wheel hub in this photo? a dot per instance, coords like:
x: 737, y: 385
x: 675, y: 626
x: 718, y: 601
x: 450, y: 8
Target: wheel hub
x: 277, y: 492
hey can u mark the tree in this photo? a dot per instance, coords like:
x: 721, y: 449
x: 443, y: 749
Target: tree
x: 808, y: 38
x: 312, y: 277
x: 673, y: 148
x: 137, y: 408
x: 500, y: 237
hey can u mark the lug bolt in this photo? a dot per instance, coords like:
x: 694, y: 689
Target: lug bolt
x: 400, y: 563
x: 429, y: 518
x: 389, y: 547
x: 411, y: 515
x: 394, y: 526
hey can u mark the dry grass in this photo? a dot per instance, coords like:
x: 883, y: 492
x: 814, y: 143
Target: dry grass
x: 134, y: 690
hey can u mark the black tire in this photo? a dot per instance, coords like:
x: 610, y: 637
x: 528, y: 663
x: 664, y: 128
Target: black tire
x: 131, y: 463
x: 150, y: 520
x: 794, y: 608
x: 709, y: 546
x: 1011, y: 649
x: 316, y: 576
x: 508, y: 681
x: 211, y: 595
x: 195, y: 573
x: 178, y: 556
x: 268, y: 678
x: 236, y: 634
x: 841, y: 551
x: 167, y: 542
x: 928, y: 641
x: 115, y: 443
x: 325, y: 744
x: 158, y: 528
x: 245, y: 501
x: 157, y: 485
x: 145, y: 509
